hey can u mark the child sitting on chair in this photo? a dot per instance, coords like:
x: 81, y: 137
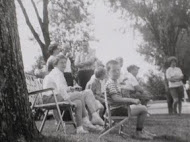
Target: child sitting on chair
x: 95, y: 85
x: 114, y: 95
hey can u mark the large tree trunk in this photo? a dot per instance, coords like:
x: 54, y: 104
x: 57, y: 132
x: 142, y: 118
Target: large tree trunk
x: 16, y: 122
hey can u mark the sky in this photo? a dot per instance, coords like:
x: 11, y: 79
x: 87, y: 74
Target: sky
x: 112, y: 42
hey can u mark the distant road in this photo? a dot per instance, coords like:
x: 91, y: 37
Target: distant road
x: 161, y: 107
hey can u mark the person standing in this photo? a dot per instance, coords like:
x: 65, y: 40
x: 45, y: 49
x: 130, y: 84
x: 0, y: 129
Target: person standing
x: 85, y: 61
x: 174, y: 76
x: 53, y: 51
x: 168, y: 94
x: 68, y: 70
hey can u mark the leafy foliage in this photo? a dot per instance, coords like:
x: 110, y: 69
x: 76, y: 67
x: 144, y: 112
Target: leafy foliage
x: 155, y: 86
x: 70, y: 21
x: 164, y: 25
x: 62, y: 21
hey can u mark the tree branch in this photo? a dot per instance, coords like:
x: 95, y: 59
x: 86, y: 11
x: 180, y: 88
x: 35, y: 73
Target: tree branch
x: 37, y: 14
x: 35, y: 34
x: 45, y: 29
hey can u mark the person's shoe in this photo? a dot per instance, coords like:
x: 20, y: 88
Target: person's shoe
x: 148, y: 114
x: 149, y: 133
x: 80, y: 130
x: 96, y: 120
x: 142, y: 136
x: 89, y: 125
x: 99, y: 128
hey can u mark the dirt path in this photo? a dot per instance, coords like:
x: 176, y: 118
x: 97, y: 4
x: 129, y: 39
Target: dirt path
x: 161, y: 108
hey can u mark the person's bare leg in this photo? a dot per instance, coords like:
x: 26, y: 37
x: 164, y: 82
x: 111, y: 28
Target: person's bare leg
x: 91, y: 104
x: 179, y: 106
x: 175, y: 103
x: 141, y: 112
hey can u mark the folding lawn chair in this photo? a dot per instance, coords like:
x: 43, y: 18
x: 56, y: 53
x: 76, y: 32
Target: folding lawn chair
x: 34, y: 86
x: 109, y: 119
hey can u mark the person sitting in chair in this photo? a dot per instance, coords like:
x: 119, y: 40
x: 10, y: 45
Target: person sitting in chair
x: 55, y: 79
x: 114, y: 95
x: 95, y: 85
x: 132, y: 86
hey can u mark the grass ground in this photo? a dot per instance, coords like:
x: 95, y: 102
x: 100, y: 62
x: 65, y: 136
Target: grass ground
x: 169, y: 128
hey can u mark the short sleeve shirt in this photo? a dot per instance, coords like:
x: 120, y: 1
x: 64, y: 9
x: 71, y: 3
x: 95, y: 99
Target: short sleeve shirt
x: 174, y: 72
x: 95, y: 85
x: 49, y: 63
x: 112, y: 88
x: 55, y: 79
x: 131, y: 82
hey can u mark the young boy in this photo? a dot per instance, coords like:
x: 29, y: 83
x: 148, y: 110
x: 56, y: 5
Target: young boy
x: 114, y: 95
x: 95, y: 85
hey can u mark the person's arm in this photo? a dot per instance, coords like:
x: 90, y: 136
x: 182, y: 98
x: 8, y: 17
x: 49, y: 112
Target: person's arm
x: 91, y: 60
x: 179, y: 77
x: 173, y: 78
x: 101, y: 99
x: 78, y: 63
x: 61, y: 86
x: 93, y: 87
x: 112, y: 91
x: 168, y: 76
x: 118, y: 99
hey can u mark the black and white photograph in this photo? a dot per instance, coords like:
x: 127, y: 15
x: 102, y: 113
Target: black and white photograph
x: 94, y: 70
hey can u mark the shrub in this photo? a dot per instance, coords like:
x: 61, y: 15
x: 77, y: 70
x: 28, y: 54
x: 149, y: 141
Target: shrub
x: 155, y: 86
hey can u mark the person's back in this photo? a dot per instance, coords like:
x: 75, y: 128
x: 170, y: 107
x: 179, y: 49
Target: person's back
x: 95, y: 83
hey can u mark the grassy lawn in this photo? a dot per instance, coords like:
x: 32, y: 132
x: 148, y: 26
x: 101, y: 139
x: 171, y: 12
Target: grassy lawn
x: 169, y: 128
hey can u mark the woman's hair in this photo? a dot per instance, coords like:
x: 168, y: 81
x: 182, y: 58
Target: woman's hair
x: 119, y: 59
x: 132, y: 67
x: 52, y: 47
x: 111, y: 63
x: 58, y: 58
x: 172, y: 58
x: 99, y: 72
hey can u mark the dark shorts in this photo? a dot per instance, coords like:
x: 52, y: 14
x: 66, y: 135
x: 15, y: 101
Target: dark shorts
x: 83, y: 77
x: 121, y: 111
x: 177, y: 92
x: 69, y: 78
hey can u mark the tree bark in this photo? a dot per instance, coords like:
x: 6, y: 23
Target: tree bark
x: 16, y: 122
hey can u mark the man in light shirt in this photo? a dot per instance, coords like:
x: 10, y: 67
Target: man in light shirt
x: 68, y: 70
x: 85, y: 62
x: 131, y: 84
x: 55, y: 79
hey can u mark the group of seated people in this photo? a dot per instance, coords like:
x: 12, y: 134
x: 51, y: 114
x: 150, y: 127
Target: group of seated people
x: 90, y: 103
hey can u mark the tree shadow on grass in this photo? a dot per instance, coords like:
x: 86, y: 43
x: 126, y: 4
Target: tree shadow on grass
x: 54, y: 139
x: 169, y: 138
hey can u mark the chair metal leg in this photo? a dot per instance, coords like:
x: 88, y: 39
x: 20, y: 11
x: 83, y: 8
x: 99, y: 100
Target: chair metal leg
x: 60, y: 121
x: 121, y: 132
x: 44, y: 120
x: 59, y: 112
x: 72, y: 117
x: 115, y: 126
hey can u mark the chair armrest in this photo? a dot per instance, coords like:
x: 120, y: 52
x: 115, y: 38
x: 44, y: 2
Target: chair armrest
x: 40, y: 91
x: 53, y: 105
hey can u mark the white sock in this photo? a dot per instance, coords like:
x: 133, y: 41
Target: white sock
x: 79, y: 128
